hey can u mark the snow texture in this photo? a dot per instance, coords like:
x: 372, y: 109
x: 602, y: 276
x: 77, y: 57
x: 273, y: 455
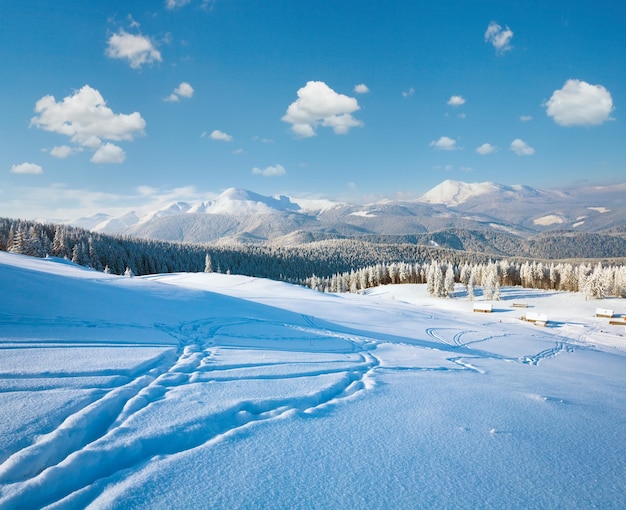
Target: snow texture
x: 223, y: 391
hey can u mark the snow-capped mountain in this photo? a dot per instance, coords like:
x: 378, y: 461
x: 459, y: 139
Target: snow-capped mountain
x: 243, y: 215
x: 454, y: 193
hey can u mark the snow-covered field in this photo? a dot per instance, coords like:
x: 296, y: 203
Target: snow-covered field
x: 216, y: 391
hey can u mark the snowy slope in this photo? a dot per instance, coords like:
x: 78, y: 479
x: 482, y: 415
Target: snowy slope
x: 216, y: 391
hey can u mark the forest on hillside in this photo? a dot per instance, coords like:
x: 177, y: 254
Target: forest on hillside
x: 339, y: 265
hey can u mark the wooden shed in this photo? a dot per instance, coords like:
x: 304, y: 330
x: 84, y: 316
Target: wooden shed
x: 483, y: 307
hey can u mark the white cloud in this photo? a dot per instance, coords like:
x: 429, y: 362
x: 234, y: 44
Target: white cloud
x: 579, y: 103
x: 521, y: 148
x: 526, y: 118
x: 262, y: 140
x: 485, y: 148
x: 86, y: 119
x: 446, y: 168
x: 26, y: 168
x: 146, y: 190
x: 136, y: 49
x: 183, y: 90
x: 444, y: 144
x: 220, y: 136
x: 456, y: 101
x: 500, y: 38
x: 319, y: 105
x: 408, y: 93
x: 61, y: 151
x: 270, y: 171
x: 175, y: 4
x: 361, y: 88
x: 108, y: 153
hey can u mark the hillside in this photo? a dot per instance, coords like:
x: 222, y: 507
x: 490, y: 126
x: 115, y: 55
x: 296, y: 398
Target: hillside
x: 229, y: 391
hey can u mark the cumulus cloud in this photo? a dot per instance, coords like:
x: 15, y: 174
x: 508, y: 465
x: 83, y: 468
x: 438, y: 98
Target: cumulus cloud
x: 270, y: 171
x: 220, y: 136
x: 408, y: 93
x: 579, y: 103
x: 319, y: 105
x: 361, y: 88
x: 86, y: 119
x: 183, y: 90
x: 108, y: 153
x: 136, y: 49
x: 521, y: 148
x: 456, y: 101
x: 499, y: 37
x: 61, y: 151
x: 526, y: 118
x: 444, y: 144
x: 26, y: 168
x: 485, y: 148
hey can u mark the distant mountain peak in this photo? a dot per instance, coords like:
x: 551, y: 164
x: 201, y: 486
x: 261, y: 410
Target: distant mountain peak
x: 242, y: 201
x: 453, y: 193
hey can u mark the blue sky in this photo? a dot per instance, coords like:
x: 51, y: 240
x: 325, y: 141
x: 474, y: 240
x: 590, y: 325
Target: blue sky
x: 111, y: 106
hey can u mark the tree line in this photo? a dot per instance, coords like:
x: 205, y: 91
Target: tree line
x: 593, y: 280
x: 339, y: 265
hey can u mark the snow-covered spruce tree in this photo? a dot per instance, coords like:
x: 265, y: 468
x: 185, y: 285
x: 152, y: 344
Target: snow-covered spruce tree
x: 430, y: 278
x: 491, y: 282
x: 208, y: 267
x: 465, y: 274
x: 597, y: 283
x: 471, y: 284
x: 17, y: 242
x: 584, y: 280
x: 449, y: 281
x: 620, y: 281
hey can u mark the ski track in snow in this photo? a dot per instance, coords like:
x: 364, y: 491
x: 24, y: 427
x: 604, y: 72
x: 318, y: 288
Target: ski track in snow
x: 54, y: 466
x: 93, y: 443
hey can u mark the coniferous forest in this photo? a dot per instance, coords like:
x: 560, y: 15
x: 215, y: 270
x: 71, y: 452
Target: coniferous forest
x: 340, y: 265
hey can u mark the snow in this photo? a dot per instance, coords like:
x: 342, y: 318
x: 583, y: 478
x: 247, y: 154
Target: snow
x: 549, y: 219
x: 601, y: 210
x: 453, y: 193
x: 316, y: 205
x: 224, y: 391
x: 364, y: 214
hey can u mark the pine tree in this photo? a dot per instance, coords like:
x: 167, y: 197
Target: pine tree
x: 471, y: 284
x: 449, y: 281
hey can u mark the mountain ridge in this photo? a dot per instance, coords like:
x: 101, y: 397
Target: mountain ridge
x: 240, y: 215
